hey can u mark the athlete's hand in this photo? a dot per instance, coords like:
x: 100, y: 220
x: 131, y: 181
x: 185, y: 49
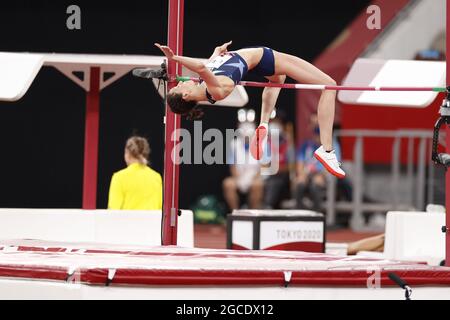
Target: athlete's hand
x: 223, y: 48
x: 166, y: 50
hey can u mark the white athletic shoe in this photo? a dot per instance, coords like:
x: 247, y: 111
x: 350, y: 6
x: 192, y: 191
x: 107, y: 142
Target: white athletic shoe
x: 330, y: 162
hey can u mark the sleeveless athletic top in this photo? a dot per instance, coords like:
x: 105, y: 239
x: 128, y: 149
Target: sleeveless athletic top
x: 233, y: 66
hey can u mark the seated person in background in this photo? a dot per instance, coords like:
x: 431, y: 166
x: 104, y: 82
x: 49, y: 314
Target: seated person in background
x: 277, y: 185
x: 311, y: 175
x: 437, y: 50
x: 245, y: 179
x: 138, y: 187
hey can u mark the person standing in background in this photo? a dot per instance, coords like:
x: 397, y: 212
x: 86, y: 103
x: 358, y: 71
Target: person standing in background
x: 137, y: 187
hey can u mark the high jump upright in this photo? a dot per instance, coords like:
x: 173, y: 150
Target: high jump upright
x: 447, y: 142
x: 172, y: 123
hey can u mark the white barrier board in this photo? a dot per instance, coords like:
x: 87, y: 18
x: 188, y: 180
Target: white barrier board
x: 102, y: 226
x: 415, y: 236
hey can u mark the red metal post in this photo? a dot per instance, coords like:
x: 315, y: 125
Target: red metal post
x: 447, y: 175
x: 171, y: 168
x: 91, y: 140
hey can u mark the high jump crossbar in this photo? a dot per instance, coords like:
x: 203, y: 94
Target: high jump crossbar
x: 324, y: 87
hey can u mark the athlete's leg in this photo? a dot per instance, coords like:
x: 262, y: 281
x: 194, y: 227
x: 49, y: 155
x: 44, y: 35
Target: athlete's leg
x: 269, y: 99
x: 304, y: 72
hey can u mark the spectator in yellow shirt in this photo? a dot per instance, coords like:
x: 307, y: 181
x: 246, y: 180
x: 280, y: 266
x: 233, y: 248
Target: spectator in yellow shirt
x: 137, y: 187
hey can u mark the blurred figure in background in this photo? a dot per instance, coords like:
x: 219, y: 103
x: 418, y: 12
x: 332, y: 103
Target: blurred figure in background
x: 245, y: 182
x: 311, y: 175
x: 138, y: 187
x: 437, y: 50
x: 277, y: 187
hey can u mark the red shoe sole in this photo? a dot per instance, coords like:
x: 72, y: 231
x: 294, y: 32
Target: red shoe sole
x: 329, y: 169
x: 256, y: 147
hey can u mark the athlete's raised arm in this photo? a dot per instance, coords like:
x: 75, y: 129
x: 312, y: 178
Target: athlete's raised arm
x: 197, y: 66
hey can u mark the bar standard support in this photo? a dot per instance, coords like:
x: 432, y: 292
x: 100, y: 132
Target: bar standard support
x: 447, y: 174
x: 172, y: 124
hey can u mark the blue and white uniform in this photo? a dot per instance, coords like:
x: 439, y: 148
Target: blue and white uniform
x: 232, y: 65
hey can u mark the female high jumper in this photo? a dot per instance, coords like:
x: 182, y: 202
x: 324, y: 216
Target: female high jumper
x: 225, y: 70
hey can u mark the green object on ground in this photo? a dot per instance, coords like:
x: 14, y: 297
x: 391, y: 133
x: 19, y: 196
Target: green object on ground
x: 208, y: 209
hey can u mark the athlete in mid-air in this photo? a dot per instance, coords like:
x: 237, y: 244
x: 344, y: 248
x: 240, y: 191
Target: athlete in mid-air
x: 224, y: 71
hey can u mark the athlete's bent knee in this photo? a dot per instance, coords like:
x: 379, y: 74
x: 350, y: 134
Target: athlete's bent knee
x: 331, y: 82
